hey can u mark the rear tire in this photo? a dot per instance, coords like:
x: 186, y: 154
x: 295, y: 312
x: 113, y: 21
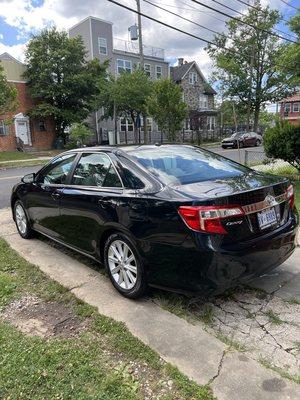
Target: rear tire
x: 22, y: 222
x: 124, y: 266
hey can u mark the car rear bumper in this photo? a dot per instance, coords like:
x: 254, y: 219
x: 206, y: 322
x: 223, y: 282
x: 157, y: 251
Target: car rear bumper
x: 203, y: 266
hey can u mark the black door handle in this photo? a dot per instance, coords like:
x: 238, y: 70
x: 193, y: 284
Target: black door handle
x: 55, y: 195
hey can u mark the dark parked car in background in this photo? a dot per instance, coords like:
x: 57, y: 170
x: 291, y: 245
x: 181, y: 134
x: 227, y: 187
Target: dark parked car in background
x: 242, y: 139
x: 168, y: 216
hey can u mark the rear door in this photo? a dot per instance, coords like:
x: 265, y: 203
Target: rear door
x: 43, y: 200
x: 92, y: 199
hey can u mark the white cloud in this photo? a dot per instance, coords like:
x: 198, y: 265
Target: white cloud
x: 22, y: 15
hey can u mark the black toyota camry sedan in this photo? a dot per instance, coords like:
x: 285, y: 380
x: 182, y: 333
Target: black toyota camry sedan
x: 169, y: 216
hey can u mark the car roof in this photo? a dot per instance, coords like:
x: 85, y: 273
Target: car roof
x: 127, y: 148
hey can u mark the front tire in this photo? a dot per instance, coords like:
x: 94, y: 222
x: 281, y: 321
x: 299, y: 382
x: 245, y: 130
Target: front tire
x: 22, y: 221
x: 124, y: 266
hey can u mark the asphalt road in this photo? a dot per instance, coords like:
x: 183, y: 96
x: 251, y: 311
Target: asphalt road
x: 10, y: 176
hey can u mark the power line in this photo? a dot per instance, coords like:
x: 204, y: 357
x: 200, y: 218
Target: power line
x: 285, y: 2
x: 240, y: 13
x: 243, y: 22
x: 178, y: 29
x: 258, y: 9
x: 186, y: 19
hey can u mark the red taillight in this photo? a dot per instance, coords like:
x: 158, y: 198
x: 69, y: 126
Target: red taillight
x: 208, y: 218
x: 290, y: 195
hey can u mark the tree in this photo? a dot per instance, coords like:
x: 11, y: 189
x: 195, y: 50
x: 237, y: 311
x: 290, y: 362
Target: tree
x: 283, y: 141
x: 61, y: 81
x: 129, y: 94
x: 290, y: 60
x: 166, y: 106
x: 246, y: 61
x: 8, y: 95
x: 80, y: 134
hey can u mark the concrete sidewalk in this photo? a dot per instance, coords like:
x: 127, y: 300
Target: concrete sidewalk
x: 42, y: 158
x: 199, y: 355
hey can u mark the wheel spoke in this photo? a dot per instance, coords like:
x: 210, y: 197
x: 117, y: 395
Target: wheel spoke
x: 130, y: 276
x: 116, y: 253
x: 126, y: 280
x: 130, y: 259
x: 121, y: 278
x: 115, y: 270
x: 131, y: 268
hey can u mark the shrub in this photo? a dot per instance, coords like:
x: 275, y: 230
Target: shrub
x: 80, y: 134
x: 283, y: 141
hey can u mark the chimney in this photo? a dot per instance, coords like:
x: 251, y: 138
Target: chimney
x: 180, y: 62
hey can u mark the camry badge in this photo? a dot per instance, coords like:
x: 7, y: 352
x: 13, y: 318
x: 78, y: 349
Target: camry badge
x: 270, y: 200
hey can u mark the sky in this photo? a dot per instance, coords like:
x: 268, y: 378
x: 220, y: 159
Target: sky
x: 19, y: 19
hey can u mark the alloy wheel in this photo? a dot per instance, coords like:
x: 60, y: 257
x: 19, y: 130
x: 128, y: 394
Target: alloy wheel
x: 21, y: 219
x: 122, y: 264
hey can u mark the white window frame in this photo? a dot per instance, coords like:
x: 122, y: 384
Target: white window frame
x: 102, y: 45
x: 158, y: 74
x: 193, y: 78
x: 297, y: 108
x: 149, y: 125
x: 203, y: 101
x: 123, y: 68
x: 127, y: 124
x: 211, y: 123
x: 147, y: 69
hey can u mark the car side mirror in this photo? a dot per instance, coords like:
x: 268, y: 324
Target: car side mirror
x: 29, y: 178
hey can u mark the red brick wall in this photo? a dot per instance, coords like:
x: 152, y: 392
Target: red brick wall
x: 292, y: 117
x: 40, y: 140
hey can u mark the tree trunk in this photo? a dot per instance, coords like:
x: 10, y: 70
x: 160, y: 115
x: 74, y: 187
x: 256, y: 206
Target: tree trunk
x: 256, y: 117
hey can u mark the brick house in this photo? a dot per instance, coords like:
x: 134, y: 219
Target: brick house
x: 197, y: 94
x: 17, y: 130
x: 290, y: 109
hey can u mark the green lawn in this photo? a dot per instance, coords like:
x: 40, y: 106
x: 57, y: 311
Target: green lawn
x: 97, y: 364
x: 15, y: 155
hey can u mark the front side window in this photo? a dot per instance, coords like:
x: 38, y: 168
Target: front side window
x: 296, y: 107
x: 57, y: 173
x: 123, y: 66
x: 95, y: 170
x: 193, y: 78
x: 3, y: 129
x: 147, y: 69
x: 102, y: 43
x: 158, y: 71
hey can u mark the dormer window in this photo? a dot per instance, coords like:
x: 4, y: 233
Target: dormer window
x: 193, y: 78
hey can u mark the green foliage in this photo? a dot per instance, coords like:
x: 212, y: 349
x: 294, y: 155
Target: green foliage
x: 247, y: 61
x: 283, y: 141
x: 130, y: 92
x: 8, y: 95
x: 80, y: 133
x: 60, y: 79
x: 166, y: 106
x: 290, y: 60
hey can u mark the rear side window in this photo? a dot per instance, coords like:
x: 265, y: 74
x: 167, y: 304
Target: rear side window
x: 178, y: 165
x: 95, y: 170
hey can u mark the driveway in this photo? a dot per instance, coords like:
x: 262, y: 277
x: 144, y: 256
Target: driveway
x: 239, y: 155
x: 8, y: 178
x: 231, y: 371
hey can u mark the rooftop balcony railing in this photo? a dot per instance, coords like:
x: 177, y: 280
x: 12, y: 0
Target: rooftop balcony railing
x: 133, y: 47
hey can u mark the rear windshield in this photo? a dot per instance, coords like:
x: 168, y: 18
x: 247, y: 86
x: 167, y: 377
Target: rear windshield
x: 179, y: 165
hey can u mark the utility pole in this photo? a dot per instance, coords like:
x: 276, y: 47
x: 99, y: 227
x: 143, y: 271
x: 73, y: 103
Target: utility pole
x: 141, y: 51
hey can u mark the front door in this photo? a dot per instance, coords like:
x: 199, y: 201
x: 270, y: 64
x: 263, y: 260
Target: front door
x: 22, y: 128
x: 43, y: 201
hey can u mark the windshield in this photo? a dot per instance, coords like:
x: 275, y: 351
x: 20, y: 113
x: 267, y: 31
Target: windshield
x: 180, y: 165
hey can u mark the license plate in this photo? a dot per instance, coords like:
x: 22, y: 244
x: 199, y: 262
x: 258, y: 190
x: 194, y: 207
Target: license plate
x: 267, y: 218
